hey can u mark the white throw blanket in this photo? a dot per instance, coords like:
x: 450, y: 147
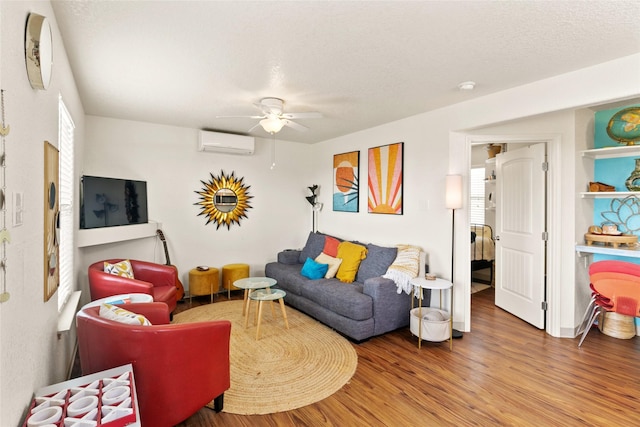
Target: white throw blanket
x: 405, y: 267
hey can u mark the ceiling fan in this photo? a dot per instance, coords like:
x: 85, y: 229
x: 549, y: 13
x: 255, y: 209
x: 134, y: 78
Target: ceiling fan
x: 273, y: 117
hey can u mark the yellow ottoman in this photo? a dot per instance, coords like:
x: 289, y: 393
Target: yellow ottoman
x: 203, y: 282
x: 231, y: 273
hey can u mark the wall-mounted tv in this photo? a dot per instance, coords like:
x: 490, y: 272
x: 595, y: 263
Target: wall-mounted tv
x: 110, y: 202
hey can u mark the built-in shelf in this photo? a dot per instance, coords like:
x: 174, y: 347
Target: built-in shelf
x: 611, y: 152
x: 101, y: 236
x: 608, y: 250
x: 608, y: 194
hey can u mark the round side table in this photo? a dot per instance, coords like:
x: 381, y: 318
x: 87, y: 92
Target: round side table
x: 262, y: 295
x: 203, y: 282
x: 252, y: 283
x: 420, y: 283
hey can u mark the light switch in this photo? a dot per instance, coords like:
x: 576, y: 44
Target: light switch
x: 18, y: 208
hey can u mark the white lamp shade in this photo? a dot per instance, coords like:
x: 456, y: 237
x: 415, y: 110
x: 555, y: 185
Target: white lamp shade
x: 272, y: 124
x: 453, y: 191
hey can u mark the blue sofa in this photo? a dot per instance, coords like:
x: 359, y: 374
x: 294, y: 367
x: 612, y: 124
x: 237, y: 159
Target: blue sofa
x: 367, y: 307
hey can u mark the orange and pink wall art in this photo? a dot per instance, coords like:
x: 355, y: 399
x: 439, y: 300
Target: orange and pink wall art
x: 385, y: 179
x: 345, y: 181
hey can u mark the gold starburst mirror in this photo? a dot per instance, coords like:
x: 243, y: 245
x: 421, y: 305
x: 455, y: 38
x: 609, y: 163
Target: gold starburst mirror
x: 224, y: 199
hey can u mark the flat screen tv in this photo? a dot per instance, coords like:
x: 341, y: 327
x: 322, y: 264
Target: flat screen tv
x: 110, y: 202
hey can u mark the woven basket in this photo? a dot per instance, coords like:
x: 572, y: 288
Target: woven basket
x: 493, y: 150
x: 617, y: 325
x: 432, y: 330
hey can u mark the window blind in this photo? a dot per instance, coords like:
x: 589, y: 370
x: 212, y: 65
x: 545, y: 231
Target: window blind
x: 66, y: 130
x: 477, y: 196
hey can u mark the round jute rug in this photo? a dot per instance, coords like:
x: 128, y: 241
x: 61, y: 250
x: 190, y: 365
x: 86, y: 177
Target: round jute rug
x: 286, y: 368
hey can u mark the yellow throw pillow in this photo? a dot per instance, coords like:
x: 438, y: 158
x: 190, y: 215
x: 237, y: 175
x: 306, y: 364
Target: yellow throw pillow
x: 122, y: 268
x: 351, y: 255
x: 334, y: 264
x: 113, y: 312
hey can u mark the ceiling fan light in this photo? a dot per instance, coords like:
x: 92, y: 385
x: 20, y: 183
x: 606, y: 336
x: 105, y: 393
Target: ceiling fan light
x: 272, y: 124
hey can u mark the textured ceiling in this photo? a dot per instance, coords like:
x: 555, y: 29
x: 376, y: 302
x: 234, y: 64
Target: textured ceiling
x: 359, y: 63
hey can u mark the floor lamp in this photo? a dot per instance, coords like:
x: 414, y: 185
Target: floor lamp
x: 453, y: 201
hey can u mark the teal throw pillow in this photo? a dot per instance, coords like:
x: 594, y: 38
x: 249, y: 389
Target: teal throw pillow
x: 314, y: 270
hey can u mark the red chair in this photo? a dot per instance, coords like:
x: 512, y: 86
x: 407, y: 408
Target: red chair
x: 157, y: 280
x: 615, y: 287
x: 178, y: 369
x: 619, y: 283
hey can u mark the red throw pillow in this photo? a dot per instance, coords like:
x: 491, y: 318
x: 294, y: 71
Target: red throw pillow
x: 331, y: 246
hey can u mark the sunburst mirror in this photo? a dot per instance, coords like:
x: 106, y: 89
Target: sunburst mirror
x: 224, y: 199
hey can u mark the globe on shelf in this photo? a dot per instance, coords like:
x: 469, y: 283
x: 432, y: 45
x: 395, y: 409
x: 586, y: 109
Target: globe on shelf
x: 624, y: 126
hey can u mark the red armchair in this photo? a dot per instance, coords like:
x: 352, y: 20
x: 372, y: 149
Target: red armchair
x: 178, y: 368
x: 157, y: 280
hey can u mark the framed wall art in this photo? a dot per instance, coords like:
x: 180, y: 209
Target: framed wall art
x: 385, y: 179
x: 345, y: 181
x: 51, y: 273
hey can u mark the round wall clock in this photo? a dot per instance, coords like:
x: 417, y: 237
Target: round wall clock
x: 38, y: 51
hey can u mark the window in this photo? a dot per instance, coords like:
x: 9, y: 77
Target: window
x: 477, y: 196
x: 65, y: 183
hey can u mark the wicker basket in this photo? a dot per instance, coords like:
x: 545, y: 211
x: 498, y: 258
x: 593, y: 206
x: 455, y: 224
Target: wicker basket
x: 493, y: 150
x: 617, y: 325
x: 432, y: 330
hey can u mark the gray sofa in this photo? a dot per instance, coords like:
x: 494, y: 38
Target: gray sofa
x: 367, y: 307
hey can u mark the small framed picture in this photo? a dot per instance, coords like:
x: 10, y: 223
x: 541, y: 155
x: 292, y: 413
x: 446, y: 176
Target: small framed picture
x: 345, y: 181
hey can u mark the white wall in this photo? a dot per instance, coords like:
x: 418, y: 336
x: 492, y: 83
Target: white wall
x: 425, y: 221
x: 428, y: 139
x: 562, y: 124
x: 432, y: 136
x: 31, y: 354
x: 166, y: 157
x: 584, y: 132
x: 609, y: 82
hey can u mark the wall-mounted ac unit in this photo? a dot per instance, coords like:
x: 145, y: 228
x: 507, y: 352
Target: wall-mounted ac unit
x: 225, y: 143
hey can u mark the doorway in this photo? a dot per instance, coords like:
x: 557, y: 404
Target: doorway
x: 520, y: 232
x: 516, y: 252
x: 553, y: 224
x: 482, y: 209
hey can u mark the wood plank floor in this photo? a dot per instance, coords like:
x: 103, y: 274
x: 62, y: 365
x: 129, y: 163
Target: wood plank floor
x: 504, y: 372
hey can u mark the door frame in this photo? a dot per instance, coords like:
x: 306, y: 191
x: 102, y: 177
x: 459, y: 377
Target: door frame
x: 554, y: 243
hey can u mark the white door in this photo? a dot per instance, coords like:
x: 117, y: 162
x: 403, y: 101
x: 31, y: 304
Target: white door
x: 520, y: 227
